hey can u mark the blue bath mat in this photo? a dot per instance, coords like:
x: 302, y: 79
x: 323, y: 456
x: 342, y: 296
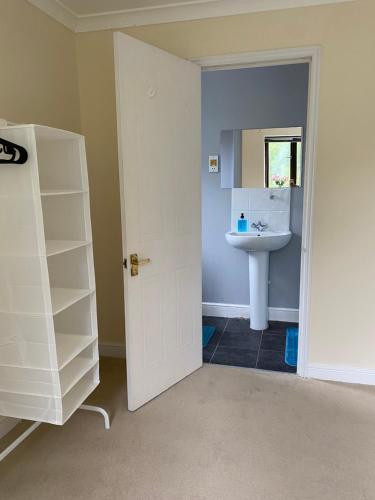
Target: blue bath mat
x: 207, y: 333
x: 291, y: 347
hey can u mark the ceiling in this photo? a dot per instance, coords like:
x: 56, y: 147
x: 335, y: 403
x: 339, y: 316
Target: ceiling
x: 95, y: 15
x: 87, y: 7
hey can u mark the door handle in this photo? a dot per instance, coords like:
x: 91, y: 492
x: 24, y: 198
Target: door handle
x: 135, y: 262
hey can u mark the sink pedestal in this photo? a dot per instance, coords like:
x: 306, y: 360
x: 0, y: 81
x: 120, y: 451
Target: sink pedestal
x: 258, y: 277
x: 258, y: 244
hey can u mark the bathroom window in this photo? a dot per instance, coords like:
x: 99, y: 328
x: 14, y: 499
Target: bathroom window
x: 283, y: 161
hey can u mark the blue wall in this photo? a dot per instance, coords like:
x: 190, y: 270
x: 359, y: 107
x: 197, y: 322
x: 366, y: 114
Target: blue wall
x: 243, y: 99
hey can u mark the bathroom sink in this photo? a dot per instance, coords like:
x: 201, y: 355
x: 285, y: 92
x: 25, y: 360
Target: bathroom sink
x: 255, y: 241
x: 258, y: 245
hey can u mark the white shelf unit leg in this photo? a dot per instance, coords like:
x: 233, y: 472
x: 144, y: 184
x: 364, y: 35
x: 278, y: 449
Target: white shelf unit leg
x: 19, y: 440
x: 102, y: 411
x: 35, y: 425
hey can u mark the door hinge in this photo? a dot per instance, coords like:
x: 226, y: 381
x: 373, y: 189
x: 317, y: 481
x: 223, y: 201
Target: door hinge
x: 125, y: 263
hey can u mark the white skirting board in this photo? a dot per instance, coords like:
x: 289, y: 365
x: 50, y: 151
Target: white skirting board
x: 7, y: 424
x: 112, y: 350
x: 242, y: 311
x: 117, y: 350
x: 346, y: 374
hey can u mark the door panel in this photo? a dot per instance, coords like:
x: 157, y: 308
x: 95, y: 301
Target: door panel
x: 158, y: 114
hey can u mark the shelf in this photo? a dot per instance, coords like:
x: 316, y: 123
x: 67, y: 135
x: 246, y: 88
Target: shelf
x: 59, y: 192
x: 64, y: 216
x: 55, y: 247
x: 74, y: 372
x: 78, y: 394
x: 69, y: 346
x: 62, y: 298
x: 31, y: 406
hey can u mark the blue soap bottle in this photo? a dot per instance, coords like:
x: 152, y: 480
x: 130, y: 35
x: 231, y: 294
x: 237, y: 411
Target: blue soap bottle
x: 242, y: 224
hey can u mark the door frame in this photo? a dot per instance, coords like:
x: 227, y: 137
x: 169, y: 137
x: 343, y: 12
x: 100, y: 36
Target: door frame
x: 310, y: 55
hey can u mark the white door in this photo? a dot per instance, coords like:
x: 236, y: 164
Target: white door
x: 158, y: 115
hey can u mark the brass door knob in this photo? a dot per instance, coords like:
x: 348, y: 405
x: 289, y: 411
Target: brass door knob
x: 135, y: 262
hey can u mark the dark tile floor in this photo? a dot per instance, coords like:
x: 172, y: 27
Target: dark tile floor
x: 235, y: 344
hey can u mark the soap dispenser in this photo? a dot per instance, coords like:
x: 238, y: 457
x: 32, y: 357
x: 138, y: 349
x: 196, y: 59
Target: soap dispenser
x: 242, y: 224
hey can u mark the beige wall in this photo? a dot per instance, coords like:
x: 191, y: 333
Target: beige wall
x: 39, y: 84
x: 342, y: 278
x: 98, y: 117
x: 38, y: 75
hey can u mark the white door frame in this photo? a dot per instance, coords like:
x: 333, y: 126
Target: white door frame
x: 278, y: 57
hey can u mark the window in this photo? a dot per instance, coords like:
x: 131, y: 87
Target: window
x: 283, y: 161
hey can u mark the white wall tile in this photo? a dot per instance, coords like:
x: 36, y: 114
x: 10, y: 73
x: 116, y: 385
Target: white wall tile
x: 270, y: 206
x: 257, y: 216
x: 240, y: 199
x: 269, y: 199
x: 279, y: 221
x: 259, y: 199
x: 280, y: 200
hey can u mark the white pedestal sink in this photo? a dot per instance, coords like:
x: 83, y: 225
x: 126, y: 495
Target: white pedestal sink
x: 258, y: 245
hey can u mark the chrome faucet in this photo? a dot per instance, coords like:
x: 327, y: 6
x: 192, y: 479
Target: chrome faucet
x: 259, y: 226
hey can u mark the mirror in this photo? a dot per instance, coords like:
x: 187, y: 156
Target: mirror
x: 269, y: 157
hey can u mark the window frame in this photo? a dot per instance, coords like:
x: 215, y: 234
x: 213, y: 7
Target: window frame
x: 293, y: 141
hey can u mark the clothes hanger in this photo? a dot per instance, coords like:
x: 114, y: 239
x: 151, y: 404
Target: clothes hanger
x: 12, y: 153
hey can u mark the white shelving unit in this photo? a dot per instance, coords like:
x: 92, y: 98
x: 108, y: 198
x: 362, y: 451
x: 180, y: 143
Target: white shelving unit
x: 49, y: 360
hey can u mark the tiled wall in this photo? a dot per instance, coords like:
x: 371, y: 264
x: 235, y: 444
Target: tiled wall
x: 270, y: 206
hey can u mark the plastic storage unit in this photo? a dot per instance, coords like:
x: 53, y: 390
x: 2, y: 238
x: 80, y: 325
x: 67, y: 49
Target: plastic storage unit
x: 49, y: 360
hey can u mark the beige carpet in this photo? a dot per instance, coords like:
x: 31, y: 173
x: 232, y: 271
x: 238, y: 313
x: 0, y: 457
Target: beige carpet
x: 222, y: 433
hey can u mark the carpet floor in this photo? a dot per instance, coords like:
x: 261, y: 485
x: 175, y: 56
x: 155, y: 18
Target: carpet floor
x: 222, y: 433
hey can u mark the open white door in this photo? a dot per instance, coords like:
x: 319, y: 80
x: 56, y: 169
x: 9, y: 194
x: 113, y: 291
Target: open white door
x: 159, y: 135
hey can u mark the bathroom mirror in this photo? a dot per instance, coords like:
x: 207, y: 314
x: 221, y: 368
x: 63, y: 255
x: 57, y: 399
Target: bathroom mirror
x: 269, y: 157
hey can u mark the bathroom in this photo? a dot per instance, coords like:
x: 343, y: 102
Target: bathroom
x: 253, y: 129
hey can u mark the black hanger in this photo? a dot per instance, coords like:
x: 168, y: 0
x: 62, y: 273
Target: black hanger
x: 12, y: 153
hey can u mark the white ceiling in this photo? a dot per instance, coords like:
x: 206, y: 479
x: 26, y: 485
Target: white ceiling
x: 95, y: 15
x: 87, y: 7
